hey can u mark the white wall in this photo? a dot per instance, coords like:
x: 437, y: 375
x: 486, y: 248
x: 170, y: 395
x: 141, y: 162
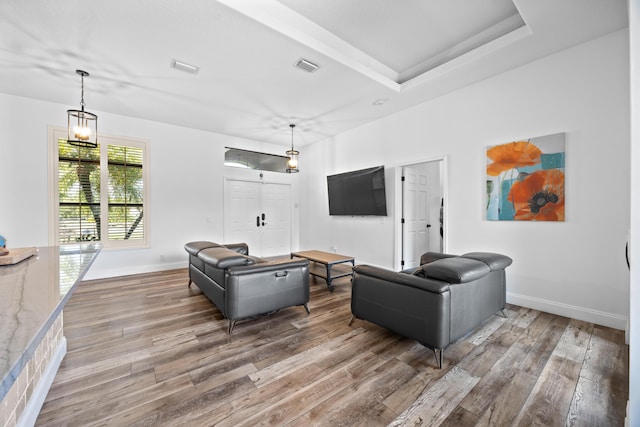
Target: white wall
x: 634, y: 300
x: 186, y: 183
x: 575, y: 268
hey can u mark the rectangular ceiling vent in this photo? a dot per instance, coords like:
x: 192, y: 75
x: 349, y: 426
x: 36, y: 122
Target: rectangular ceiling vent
x: 306, y: 65
x: 183, y: 66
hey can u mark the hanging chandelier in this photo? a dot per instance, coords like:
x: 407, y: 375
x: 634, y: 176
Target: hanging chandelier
x: 82, y: 125
x: 292, y: 163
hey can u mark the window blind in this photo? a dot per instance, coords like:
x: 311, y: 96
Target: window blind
x: 101, y: 193
x: 79, y: 193
x: 125, y: 193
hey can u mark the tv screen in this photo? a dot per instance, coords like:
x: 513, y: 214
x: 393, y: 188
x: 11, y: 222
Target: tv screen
x: 360, y: 192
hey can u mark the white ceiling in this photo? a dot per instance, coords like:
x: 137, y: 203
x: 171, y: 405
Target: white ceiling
x: 404, y: 52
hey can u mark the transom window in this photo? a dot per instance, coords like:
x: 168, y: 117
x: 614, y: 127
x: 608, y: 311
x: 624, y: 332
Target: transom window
x: 100, y: 194
x: 237, y: 158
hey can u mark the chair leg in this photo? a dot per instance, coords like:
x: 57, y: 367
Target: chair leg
x: 438, y: 354
x: 504, y: 313
x: 306, y: 307
x: 352, y: 319
x: 232, y: 323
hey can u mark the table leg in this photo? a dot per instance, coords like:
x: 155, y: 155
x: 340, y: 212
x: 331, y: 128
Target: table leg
x: 329, y: 278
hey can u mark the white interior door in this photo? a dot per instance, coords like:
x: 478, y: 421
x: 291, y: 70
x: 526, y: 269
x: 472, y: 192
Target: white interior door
x: 241, y: 208
x: 276, y: 226
x: 258, y: 214
x: 415, y: 230
x: 434, y: 205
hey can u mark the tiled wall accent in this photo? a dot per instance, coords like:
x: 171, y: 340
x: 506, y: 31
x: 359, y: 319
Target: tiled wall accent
x: 15, y: 401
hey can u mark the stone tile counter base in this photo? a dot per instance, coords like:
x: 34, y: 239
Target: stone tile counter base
x: 33, y: 294
x: 25, y: 397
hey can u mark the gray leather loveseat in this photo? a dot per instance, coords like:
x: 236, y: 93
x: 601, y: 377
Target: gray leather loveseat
x: 444, y: 299
x: 243, y: 286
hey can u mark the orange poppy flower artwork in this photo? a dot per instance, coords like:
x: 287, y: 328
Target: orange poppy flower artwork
x: 525, y: 180
x: 512, y: 156
x: 539, y: 196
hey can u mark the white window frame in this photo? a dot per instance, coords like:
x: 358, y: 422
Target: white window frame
x: 54, y: 134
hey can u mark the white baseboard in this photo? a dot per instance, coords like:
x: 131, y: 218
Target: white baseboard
x: 627, y: 333
x: 626, y: 418
x: 140, y: 269
x: 32, y: 410
x: 575, y: 312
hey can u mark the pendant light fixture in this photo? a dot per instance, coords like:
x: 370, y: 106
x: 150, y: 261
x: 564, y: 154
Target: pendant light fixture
x: 82, y: 125
x: 292, y: 164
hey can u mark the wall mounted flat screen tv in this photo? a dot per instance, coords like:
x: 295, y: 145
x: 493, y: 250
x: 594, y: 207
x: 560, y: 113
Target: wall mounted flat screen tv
x: 356, y: 193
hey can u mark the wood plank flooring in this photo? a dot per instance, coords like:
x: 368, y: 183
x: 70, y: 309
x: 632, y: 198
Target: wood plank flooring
x: 148, y: 350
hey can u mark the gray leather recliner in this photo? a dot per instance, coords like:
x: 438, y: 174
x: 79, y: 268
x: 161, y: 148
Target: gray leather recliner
x: 243, y: 286
x: 439, y: 302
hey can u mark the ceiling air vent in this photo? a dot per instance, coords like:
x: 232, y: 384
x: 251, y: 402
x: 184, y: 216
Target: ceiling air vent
x: 306, y: 65
x: 183, y: 66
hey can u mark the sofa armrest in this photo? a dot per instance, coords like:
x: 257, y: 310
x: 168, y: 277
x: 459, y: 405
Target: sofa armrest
x: 223, y: 258
x: 193, y: 248
x: 241, y: 248
x: 493, y: 260
x: 410, y: 271
x: 422, y: 283
x: 455, y: 270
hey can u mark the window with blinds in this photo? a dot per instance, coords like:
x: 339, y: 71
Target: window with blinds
x: 78, y: 193
x: 126, y: 193
x: 102, y: 193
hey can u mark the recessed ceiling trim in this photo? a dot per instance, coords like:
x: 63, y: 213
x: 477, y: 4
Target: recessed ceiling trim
x: 478, y: 40
x: 474, y: 55
x: 278, y: 17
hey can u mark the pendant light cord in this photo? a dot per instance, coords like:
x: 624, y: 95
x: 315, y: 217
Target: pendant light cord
x: 82, y: 92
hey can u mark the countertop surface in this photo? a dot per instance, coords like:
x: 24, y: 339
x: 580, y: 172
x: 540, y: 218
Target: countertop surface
x: 32, y: 295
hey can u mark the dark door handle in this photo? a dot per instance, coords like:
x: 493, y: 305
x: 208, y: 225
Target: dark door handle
x: 257, y: 221
x: 263, y: 217
x: 626, y: 255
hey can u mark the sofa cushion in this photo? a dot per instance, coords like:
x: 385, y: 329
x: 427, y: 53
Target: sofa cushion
x: 221, y: 257
x: 493, y: 260
x: 456, y: 270
x: 195, y: 247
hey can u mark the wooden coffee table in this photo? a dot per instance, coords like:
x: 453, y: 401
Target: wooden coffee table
x: 327, y: 265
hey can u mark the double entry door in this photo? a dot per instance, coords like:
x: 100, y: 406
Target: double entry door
x: 258, y: 214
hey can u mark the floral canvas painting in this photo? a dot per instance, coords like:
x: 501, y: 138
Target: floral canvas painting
x: 525, y: 180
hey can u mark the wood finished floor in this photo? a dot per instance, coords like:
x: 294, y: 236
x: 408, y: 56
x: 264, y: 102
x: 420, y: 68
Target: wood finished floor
x: 148, y: 350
